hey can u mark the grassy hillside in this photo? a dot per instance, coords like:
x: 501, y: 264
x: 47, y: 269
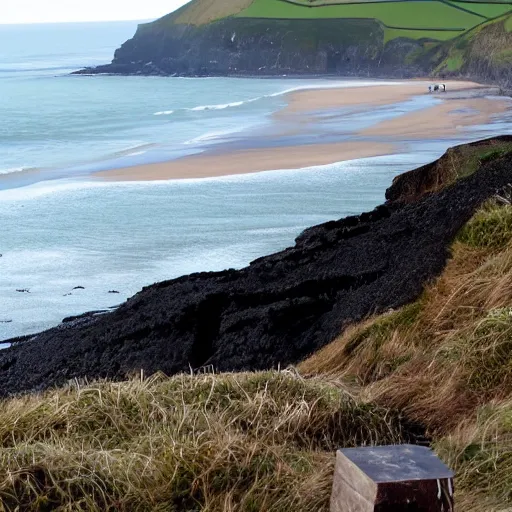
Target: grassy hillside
x: 433, y: 19
x: 486, y: 50
x: 446, y: 361
x: 440, y: 367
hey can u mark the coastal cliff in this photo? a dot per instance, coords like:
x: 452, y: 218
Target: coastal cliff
x: 262, y: 47
x: 284, y: 37
x: 282, y: 307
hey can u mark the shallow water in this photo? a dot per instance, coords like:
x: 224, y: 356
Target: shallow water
x: 62, y: 234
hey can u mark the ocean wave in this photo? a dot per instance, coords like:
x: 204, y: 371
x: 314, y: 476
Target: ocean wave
x: 12, y: 170
x: 202, y: 108
x: 209, y: 136
x: 221, y: 106
x: 164, y: 113
x: 135, y: 149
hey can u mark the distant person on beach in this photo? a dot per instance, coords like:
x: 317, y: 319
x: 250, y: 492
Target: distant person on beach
x: 437, y: 88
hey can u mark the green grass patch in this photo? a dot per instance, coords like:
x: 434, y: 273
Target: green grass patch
x: 436, y: 35
x: 503, y: 57
x: 490, y: 227
x: 367, y: 343
x: 419, y: 14
x: 489, y: 10
x: 481, y: 454
x: 455, y: 61
x: 508, y: 24
x: 466, y: 160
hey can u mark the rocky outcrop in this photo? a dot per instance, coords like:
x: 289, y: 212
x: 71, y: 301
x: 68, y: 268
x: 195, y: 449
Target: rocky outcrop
x: 455, y: 164
x: 274, y: 312
x: 236, y: 46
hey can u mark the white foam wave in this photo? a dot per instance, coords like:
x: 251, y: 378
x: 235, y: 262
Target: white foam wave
x: 12, y: 170
x: 164, y: 113
x: 135, y: 149
x: 206, y: 137
x: 221, y: 106
x: 320, y: 85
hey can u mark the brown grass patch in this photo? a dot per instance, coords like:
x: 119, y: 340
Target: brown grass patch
x: 242, y: 442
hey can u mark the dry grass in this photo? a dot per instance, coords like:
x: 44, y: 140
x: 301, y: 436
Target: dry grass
x: 201, y: 12
x: 246, y: 442
x: 446, y: 360
x: 481, y: 453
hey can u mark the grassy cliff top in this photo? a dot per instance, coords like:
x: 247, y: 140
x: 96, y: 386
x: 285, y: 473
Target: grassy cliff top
x: 433, y: 19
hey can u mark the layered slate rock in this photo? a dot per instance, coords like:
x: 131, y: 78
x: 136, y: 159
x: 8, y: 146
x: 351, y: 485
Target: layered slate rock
x: 391, y: 479
x: 276, y: 311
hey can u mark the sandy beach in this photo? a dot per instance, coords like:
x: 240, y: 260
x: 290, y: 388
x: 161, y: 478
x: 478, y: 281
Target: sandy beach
x: 373, y: 95
x: 462, y: 105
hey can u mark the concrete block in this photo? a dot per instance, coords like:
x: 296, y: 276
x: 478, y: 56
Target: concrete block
x: 398, y: 478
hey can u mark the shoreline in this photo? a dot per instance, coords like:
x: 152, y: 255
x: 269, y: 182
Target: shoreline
x: 298, y: 117
x: 297, y: 138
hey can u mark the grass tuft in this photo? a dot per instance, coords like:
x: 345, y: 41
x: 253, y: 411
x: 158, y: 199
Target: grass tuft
x: 490, y: 228
x: 247, y: 442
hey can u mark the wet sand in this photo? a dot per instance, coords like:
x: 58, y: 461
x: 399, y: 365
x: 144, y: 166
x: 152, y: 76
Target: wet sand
x: 441, y: 120
x: 247, y: 161
x: 461, y: 107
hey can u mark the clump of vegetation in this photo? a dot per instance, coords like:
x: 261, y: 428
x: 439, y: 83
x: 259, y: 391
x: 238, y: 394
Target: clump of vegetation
x: 481, y: 454
x: 490, y: 228
x: 446, y: 360
x: 247, y: 442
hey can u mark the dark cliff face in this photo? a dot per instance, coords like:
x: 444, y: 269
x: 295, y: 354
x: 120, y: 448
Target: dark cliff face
x: 278, y: 310
x: 262, y: 47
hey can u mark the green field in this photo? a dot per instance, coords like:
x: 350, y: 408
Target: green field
x: 432, y: 19
x: 437, y: 20
x: 488, y: 11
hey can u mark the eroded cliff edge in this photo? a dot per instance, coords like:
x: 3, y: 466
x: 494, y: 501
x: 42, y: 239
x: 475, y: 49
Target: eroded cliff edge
x: 284, y: 306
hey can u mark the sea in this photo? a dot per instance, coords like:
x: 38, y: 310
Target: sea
x: 71, y: 243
